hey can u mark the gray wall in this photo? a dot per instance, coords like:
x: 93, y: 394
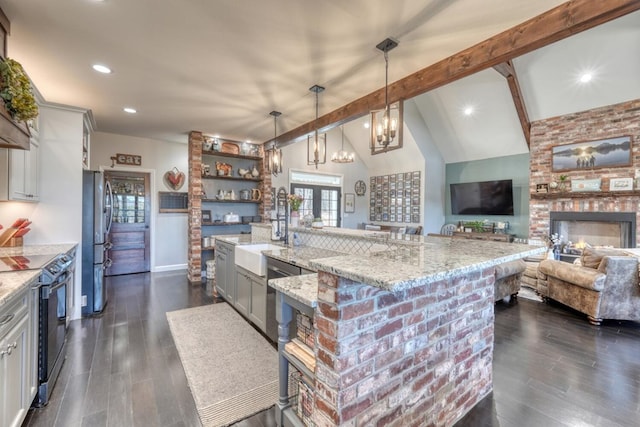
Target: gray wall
x: 515, y: 168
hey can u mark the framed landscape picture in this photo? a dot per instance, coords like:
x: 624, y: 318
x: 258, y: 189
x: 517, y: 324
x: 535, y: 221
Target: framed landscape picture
x: 603, y: 153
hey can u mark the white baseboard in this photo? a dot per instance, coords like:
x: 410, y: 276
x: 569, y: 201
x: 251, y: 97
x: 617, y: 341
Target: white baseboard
x: 161, y: 268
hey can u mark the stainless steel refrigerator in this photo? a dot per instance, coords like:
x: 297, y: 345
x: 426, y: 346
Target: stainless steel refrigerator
x: 97, y: 214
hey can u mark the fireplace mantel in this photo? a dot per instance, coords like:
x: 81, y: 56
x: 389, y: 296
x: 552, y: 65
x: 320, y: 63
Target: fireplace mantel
x: 583, y: 194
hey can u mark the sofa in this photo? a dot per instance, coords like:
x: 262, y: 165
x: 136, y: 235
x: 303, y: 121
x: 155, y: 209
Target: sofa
x: 507, y: 280
x: 603, y: 286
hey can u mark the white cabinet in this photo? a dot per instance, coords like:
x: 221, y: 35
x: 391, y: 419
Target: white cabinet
x: 17, y: 358
x: 24, y: 173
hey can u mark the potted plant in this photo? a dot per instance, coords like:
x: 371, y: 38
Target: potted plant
x: 295, y: 201
x: 16, y: 92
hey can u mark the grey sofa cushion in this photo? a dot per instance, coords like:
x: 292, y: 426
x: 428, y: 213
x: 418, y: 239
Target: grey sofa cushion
x: 510, y: 268
x: 585, y: 277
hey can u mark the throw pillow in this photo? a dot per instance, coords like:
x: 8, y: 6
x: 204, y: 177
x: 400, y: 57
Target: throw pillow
x: 591, y: 257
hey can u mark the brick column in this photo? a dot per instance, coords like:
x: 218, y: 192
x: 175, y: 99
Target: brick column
x: 194, y: 256
x: 413, y: 358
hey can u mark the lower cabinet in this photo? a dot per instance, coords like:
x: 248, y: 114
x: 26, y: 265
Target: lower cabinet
x: 243, y: 291
x: 18, y: 356
x: 251, y: 297
x: 225, y: 271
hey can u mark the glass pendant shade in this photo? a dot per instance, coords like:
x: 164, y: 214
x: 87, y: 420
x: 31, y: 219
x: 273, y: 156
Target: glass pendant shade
x: 316, y: 143
x: 386, y: 124
x: 274, y: 155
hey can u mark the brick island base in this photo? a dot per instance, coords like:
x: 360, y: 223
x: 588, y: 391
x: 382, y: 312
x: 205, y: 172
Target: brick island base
x: 419, y: 357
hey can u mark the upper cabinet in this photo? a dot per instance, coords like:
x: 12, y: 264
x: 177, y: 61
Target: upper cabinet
x: 21, y: 170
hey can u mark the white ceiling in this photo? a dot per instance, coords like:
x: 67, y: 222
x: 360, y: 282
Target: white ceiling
x: 221, y: 66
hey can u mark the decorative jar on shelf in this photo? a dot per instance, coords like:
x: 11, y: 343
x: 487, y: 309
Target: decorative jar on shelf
x: 307, y: 220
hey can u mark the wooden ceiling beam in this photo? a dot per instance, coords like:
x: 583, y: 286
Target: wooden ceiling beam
x: 509, y: 72
x: 556, y: 24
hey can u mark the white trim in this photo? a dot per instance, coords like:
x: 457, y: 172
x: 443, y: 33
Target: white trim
x: 152, y: 199
x: 339, y: 176
x: 173, y: 267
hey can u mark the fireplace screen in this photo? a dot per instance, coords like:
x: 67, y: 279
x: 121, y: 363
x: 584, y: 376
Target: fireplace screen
x: 595, y: 229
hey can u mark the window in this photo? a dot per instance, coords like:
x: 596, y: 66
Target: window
x: 320, y: 201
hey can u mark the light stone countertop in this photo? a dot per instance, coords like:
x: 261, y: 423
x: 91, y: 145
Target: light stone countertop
x: 13, y: 282
x: 234, y: 239
x: 301, y: 288
x: 436, y: 259
x: 37, y: 249
x: 300, y: 255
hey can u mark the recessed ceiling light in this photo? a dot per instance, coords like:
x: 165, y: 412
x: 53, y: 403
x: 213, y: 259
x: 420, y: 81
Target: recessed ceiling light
x: 468, y: 110
x: 129, y: 110
x: 586, y: 77
x: 102, y: 69
x: 366, y: 125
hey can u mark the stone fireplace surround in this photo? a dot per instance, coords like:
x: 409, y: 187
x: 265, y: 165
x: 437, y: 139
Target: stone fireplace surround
x: 600, y: 123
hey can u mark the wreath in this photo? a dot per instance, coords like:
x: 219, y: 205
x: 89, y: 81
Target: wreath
x: 15, y: 91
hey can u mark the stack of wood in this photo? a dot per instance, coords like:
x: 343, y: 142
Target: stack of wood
x: 302, y: 352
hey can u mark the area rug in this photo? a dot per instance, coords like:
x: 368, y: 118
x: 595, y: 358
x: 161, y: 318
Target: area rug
x: 232, y: 370
x: 528, y: 293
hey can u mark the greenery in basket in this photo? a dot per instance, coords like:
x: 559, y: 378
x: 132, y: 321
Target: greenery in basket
x: 16, y: 92
x: 477, y: 226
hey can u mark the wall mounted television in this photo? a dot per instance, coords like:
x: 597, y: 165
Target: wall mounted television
x: 482, y: 198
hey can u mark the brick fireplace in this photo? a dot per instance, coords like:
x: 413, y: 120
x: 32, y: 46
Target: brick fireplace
x: 600, y: 123
x: 617, y: 229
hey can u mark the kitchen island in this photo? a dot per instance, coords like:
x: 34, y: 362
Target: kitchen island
x: 402, y: 337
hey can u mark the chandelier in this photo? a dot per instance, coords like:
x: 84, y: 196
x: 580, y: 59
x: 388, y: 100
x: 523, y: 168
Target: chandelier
x: 342, y: 156
x: 386, y: 124
x: 274, y: 155
x: 316, y: 144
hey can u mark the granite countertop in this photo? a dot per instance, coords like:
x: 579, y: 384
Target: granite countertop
x: 300, y: 255
x: 12, y: 282
x: 435, y: 259
x: 37, y: 249
x: 301, y: 288
x: 234, y: 239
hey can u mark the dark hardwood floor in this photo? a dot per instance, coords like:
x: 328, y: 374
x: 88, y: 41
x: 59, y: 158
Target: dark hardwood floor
x: 551, y: 367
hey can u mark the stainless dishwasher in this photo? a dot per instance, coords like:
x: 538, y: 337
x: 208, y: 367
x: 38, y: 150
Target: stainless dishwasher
x: 277, y: 269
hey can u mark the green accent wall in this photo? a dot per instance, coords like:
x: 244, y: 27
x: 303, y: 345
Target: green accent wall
x: 515, y: 168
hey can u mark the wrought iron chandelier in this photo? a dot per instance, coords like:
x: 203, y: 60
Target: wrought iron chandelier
x: 342, y: 156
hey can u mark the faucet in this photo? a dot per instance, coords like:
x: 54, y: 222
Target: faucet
x: 283, y: 237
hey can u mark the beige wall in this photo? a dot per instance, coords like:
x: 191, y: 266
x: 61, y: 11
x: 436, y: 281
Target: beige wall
x: 168, y: 231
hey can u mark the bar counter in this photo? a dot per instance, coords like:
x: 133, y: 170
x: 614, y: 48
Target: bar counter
x: 403, y: 336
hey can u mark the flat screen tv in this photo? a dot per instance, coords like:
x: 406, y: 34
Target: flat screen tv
x: 482, y: 198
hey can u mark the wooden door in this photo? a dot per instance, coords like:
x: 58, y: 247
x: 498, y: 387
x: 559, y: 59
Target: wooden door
x: 129, y: 250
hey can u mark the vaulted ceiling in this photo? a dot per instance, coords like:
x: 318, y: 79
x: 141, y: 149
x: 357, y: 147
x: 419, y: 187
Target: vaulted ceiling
x: 220, y: 67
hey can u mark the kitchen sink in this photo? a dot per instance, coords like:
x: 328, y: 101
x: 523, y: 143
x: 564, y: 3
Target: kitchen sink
x: 250, y: 257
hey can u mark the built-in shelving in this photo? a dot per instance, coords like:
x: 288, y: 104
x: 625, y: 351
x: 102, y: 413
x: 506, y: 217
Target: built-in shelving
x: 231, y: 178
x: 583, y: 194
x: 230, y: 155
x: 230, y: 201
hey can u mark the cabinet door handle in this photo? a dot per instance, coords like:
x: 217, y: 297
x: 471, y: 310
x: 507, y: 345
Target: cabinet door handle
x: 9, y: 350
x: 6, y: 319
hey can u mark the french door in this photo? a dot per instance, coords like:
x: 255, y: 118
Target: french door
x: 320, y: 201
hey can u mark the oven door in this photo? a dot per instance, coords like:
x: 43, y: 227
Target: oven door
x: 53, y: 330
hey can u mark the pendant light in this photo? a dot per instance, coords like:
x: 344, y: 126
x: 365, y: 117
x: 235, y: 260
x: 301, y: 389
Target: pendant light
x: 386, y: 124
x: 274, y: 155
x: 342, y: 156
x: 316, y: 144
